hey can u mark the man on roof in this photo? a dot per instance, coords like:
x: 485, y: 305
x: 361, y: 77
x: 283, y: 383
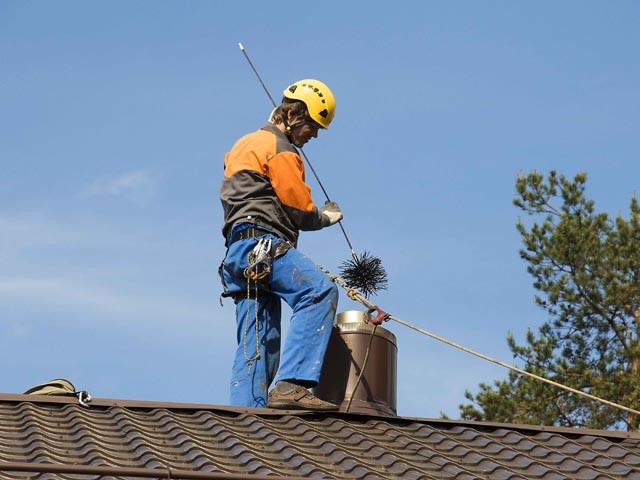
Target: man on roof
x: 266, y: 204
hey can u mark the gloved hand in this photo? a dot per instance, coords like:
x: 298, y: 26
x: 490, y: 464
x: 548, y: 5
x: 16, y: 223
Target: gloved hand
x: 331, y: 212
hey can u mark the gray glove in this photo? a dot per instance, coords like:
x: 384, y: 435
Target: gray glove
x: 331, y: 213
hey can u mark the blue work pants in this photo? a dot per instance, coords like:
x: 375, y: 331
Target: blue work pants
x: 313, y: 299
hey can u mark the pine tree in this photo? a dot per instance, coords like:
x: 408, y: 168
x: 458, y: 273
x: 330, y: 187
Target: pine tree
x: 586, y: 270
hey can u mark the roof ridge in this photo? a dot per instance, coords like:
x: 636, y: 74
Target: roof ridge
x: 153, y: 404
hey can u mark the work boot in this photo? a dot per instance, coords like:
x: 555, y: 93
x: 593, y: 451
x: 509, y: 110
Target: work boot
x: 288, y: 395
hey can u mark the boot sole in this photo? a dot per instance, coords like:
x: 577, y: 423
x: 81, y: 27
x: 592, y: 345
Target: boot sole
x: 299, y: 406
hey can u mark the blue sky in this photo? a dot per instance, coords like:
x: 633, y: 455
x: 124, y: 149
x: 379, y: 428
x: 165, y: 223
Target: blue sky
x: 116, y: 117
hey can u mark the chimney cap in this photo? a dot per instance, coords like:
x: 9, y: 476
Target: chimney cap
x: 354, y: 321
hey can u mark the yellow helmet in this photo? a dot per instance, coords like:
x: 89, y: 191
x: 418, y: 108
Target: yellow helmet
x: 318, y: 98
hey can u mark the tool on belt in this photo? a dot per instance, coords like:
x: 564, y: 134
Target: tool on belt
x: 260, y: 258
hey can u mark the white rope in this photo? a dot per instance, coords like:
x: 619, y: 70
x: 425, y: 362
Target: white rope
x: 357, y: 296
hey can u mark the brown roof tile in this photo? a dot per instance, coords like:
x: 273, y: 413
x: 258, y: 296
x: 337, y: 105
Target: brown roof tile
x: 125, y: 439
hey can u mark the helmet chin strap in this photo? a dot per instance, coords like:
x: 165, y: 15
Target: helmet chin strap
x: 288, y: 129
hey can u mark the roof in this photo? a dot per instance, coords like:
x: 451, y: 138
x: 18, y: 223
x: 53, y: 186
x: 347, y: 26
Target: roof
x: 58, y: 438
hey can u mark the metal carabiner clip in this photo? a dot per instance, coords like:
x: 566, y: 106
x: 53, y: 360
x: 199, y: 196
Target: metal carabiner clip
x: 259, y: 260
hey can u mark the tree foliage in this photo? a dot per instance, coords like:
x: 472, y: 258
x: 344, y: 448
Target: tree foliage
x: 586, y: 270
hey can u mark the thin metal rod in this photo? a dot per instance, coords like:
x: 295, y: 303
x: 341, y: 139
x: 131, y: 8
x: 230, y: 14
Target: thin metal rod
x: 313, y: 170
x: 346, y: 237
x: 257, y: 74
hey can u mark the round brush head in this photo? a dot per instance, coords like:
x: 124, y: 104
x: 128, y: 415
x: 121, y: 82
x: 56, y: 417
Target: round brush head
x: 364, y: 273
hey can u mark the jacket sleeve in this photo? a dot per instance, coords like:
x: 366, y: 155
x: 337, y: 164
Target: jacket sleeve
x: 286, y: 173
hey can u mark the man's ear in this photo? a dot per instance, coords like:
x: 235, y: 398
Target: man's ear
x: 290, y: 117
x: 292, y: 120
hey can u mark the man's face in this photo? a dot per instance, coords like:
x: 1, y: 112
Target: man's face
x: 304, y: 129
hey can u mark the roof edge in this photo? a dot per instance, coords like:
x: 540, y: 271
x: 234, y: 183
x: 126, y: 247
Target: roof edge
x: 148, y: 404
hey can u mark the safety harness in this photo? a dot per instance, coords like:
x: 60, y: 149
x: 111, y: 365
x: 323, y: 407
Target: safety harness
x: 259, y: 267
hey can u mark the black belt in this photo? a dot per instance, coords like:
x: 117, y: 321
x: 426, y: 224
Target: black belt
x: 250, y: 232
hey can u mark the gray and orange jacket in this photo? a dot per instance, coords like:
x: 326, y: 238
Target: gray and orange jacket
x: 264, y: 184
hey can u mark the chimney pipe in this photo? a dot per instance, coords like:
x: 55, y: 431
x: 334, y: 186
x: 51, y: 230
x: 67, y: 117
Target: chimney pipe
x: 376, y: 393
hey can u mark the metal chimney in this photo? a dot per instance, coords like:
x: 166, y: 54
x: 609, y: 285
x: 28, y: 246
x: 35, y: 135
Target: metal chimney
x: 376, y: 393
